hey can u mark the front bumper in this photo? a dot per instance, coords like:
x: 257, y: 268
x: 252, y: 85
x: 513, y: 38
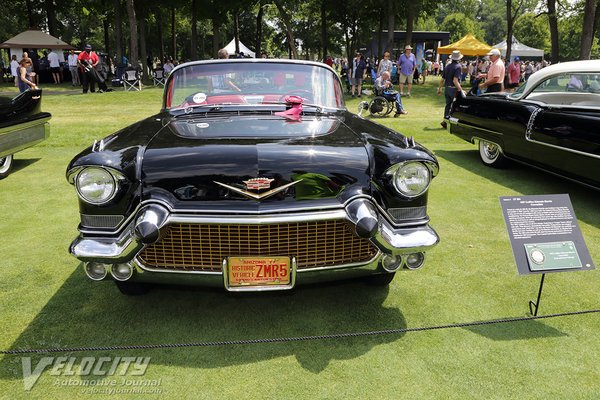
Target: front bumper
x: 391, y: 241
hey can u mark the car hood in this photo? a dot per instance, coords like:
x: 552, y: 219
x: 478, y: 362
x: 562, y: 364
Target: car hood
x: 212, y: 160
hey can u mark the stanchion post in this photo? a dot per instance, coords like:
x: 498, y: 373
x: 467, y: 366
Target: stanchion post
x: 539, y: 296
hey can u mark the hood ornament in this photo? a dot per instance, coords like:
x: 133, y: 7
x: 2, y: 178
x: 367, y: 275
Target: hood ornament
x: 257, y: 184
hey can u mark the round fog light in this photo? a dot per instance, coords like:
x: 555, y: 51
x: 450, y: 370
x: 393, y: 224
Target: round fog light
x: 391, y: 263
x: 415, y: 260
x: 121, y: 272
x: 96, y: 271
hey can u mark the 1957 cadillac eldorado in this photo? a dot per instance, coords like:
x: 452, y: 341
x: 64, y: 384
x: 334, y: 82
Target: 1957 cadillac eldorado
x: 253, y: 176
x: 552, y: 122
x: 22, y: 125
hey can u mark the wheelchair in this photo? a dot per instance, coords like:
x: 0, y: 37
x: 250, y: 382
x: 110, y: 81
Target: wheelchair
x: 380, y: 106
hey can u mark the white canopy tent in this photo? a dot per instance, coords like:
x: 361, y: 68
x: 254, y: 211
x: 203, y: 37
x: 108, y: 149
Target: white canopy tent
x: 231, y: 49
x: 519, y: 49
x: 35, y: 39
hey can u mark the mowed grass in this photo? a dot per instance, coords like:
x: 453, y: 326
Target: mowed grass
x: 46, y: 300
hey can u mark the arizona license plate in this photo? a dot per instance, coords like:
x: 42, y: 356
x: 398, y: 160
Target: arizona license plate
x: 258, y: 271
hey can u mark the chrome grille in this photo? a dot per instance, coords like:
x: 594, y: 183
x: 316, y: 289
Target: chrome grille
x: 202, y: 247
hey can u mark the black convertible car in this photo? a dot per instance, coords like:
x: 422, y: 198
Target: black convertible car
x: 253, y: 176
x: 552, y: 122
x: 22, y: 124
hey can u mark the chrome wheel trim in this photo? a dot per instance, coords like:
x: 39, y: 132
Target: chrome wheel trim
x: 489, y: 151
x: 5, y: 163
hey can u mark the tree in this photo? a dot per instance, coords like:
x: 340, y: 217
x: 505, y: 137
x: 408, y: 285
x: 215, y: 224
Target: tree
x: 587, y: 35
x: 532, y: 30
x: 458, y: 24
x: 511, y: 15
x: 134, y: 55
x: 553, y: 23
x: 288, y: 27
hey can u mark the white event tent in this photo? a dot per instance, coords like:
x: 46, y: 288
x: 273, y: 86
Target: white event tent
x: 34, y: 39
x: 231, y: 49
x: 519, y: 49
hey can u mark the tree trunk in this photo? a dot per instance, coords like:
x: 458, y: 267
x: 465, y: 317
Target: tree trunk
x: 51, y: 17
x: 587, y: 34
x: 391, y: 26
x: 118, y: 30
x: 161, y: 36
x: 293, y: 52
x: 236, y: 31
x: 142, y: 37
x: 32, y: 23
x: 216, y: 39
x: 259, y: 30
x: 410, y: 23
x: 509, y: 29
x: 194, y: 38
x: 324, y: 28
x: 106, y: 27
x: 553, y: 22
x: 380, y: 34
x: 173, y: 34
x: 134, y: 55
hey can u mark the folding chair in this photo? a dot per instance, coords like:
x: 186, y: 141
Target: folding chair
x: 131, y: 80
x: 158, y: 77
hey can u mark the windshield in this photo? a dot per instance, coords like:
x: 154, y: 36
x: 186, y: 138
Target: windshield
x: 248, y: 83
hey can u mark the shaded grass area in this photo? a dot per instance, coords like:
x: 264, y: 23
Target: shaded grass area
x: 46, y: 301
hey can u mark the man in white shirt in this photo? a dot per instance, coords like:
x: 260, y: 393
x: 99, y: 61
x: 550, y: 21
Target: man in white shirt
x: 72, y: 60
x: 14, y: 65
x: 54, y: 66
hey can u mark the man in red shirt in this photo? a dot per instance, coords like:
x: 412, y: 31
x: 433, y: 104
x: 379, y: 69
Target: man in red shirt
x: 86, y: 61
x: 514, y: 73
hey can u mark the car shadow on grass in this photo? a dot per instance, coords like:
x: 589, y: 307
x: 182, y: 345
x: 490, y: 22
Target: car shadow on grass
x: 83, y: 313
x: 520, y: 330
x: 21, y: 163
x: 529, y: 181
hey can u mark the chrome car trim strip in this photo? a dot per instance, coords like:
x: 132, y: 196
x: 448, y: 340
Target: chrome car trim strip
x: 457, y: 122
x: 259, y: 220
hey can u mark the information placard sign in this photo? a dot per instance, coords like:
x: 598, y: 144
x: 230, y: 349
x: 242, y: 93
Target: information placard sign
x: 544, y: 234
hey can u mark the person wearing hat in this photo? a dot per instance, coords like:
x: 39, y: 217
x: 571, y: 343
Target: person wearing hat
x: 451, y: 82
x: 87, y: 61
x: 514, y: 73
x: 494, y: 77
x: 408, y: 64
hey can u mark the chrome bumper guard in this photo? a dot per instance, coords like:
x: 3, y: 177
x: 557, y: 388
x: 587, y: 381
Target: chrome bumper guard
x: 145, y: 227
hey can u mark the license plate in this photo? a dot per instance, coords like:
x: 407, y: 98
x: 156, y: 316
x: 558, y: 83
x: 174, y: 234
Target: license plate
x: 256, y: 272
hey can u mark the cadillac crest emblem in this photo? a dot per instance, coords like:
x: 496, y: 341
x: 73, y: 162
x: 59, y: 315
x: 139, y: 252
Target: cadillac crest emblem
x: 258, y: 183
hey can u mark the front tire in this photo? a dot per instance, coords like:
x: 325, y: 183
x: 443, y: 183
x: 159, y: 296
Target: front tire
x: 6, y: 164
x: 132, y: 288
x: 380, y: 279
x: 491, y: 154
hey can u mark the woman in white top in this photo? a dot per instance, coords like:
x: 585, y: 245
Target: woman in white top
x: 385, y: 64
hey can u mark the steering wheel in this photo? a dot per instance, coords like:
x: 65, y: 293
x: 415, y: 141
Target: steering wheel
x: 305, y: 94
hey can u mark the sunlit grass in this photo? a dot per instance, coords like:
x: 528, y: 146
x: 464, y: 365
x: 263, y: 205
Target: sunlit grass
x: 45, y: 299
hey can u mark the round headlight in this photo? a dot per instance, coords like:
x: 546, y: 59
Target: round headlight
x: 412, y: 179
x: 95, y: 185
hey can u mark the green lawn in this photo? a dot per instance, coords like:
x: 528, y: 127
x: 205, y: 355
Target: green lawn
x: 46, y: 300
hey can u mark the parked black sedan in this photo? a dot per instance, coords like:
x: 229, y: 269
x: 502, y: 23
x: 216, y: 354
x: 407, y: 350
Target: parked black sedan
x: 22, y: 124
x: 552, y: 122
x: 253, y: 176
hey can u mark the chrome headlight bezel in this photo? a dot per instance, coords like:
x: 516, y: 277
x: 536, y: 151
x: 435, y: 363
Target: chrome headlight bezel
x: 425, y: 169
x: 111, y: 176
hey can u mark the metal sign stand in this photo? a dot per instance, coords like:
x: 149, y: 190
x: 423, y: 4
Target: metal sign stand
x: 537, y: 303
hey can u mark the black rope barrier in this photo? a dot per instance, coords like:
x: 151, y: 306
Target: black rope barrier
x: 294, y: 339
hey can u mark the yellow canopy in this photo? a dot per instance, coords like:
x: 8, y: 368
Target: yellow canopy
x: 468, y: 46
